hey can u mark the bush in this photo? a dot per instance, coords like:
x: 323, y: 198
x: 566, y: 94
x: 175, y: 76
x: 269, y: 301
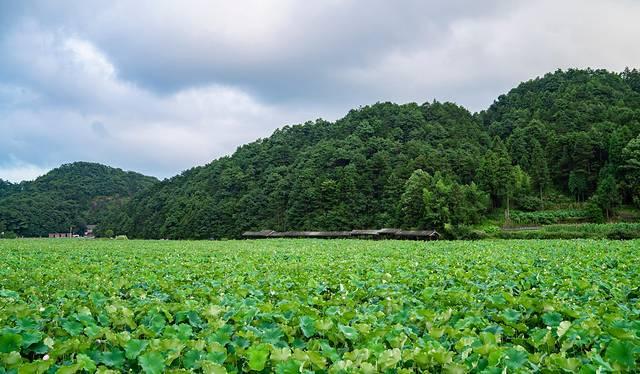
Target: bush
x: 546, y: 217
x: 489, y: 229
x: 529, y: 203
x: 594, y: 212
x: 614, y: 231
x: 623, y: 234
x: 8, y: 235
x: 464, y: 232
x: 540, y: 234
x: 103, y: 233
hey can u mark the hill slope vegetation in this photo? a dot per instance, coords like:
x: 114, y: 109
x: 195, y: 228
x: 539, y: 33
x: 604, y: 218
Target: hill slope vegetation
x: 570, y: 133
x: 73, y: 195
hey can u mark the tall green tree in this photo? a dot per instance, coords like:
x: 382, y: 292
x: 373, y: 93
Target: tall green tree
x: 607, y: 195
x: 470, y: 204
x: 498, y: 177
x: 412, y: 200
x: 539, y: 170
x: 438, y: 202
x: 631, y: 168
x: 519, y: 184
x: 578, y: 184
x: 447, y: 202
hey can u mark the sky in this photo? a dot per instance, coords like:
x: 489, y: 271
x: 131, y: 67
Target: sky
x: 161, y: 86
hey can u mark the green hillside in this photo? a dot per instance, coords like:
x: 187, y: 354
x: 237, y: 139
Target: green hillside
x: 567, y: 135
x: 74, y: 194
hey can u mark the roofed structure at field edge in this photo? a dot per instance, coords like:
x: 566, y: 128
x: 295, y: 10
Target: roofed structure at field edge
x: 357, y: 234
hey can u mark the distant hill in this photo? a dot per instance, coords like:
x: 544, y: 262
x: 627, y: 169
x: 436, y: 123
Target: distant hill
x: 74, y: 194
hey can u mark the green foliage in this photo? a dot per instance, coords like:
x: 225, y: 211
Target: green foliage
x: 257, y: 357
x: 73, y: 195
x: 539, y: 169
x: 449, y: 203
x: 152, y: 362
x: 10, y: 342
x: 108, y: 233
x: 429, y: 202
x: 631, y: 168
x: 519, y: 189
x: 581, y: 120
x: 578, y: 184
x: 412, y: 203
x: 272, y: 306
x: 134, y: 347
x: 593, y: 211
x: 617, y: 231
x: 464, y: 232
x: 622, y: 354
x: 547, y: 217
x: 607, y: 195
x: 8, y: 235
x: 530, y: 203
x: 495, y: 175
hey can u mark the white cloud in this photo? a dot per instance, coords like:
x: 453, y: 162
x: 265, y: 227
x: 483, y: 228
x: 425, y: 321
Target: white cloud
x: 18, y: 172
x: 480, y: 58
x: 88, y: 59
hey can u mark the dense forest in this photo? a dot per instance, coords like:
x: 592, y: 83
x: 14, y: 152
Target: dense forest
x: 73, y: 195
x: 569, y: 136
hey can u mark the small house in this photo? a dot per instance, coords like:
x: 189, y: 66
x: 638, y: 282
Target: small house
x: 365, y: 234
x: 89, y: 231
x: 60, y: 235
x: 257, y: 234
x: 418, y: 235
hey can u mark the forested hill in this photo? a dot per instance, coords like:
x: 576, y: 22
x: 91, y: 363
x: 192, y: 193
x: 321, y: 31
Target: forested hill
x: 569, y: 133
x: 570, y: 136
x: 582, y: 120
x: 319, y: 175
x: 75, y: 195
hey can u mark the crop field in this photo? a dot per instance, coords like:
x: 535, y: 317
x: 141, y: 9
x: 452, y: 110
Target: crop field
x: 294, y: 306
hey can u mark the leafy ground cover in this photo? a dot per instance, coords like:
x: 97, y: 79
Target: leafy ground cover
x: 576, y: 231
x: 548, y: 217
x: 295, y: 306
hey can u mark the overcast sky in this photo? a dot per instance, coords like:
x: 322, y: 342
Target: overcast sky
x: 160, y: 86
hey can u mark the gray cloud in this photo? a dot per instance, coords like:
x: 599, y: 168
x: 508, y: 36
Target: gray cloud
x: 162, y: 86
x: 100, y: 129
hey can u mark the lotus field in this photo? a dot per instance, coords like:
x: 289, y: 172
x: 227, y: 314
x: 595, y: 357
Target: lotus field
x: 292, y: 306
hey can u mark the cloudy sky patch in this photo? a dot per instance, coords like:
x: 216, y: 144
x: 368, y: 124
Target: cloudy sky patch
x: 161, y: 86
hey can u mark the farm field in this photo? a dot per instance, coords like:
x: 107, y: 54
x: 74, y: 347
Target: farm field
x: 295, y: 306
